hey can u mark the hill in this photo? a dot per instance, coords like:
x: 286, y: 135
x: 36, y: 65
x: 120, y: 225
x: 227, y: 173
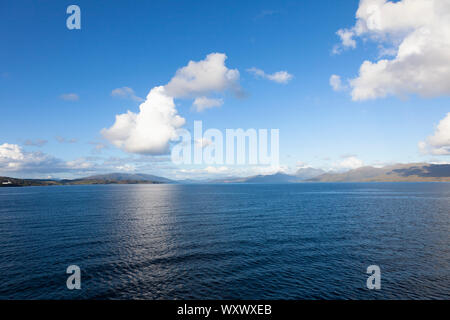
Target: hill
x: 14, y: 182
x: 112, y: 178
x: 415, y: 172
x: 121, y: 177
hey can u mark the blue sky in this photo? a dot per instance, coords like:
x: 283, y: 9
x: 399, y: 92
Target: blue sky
x: 141, y: 45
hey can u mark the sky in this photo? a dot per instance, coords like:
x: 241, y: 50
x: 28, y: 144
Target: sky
x: 347, y: 83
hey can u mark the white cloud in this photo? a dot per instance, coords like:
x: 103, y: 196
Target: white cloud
x: 336, y: 83
x: 348, y: 163
x: 10, y: 152
x: 152, y: 129
x: 78, y: 164
x: 302, y: 164
x: 126, y: 168
x: 279, y: 77
x: 70, y: 97
x: 216, y: 170
x: 202, y: 77
x: 417, y: 32
x: 203, y: 103
x: 16, y: 162
x: 346, y: 39
x: 14, y: 159
x: 439, y: 142
x: 126, y: 93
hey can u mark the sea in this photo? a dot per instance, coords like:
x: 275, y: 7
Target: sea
x: 226, y: 241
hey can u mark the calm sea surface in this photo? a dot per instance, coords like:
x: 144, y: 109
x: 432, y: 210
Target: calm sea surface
x: 298, y: 241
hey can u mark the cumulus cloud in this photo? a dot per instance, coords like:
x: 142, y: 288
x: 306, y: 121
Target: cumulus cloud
x: 336, y: 83
x: 346, y: 38
x: 151, y: 131
x: 279, y: 77
x: 70, y: 97
x: 439, y: 142
x: 17, y: 162
x: 202, y: 77
x: 126, y: 93
x: 417, y: 33
x: 14, y: 159
x: 349, y: 163
x: 203, y: 103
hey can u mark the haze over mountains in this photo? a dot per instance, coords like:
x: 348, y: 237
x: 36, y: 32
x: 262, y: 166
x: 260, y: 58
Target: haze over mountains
x: 302, y: 174
x: 415, y: 172
x: 395, y: 173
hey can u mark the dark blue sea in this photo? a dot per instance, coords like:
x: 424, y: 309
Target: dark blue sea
x: 240, y: 241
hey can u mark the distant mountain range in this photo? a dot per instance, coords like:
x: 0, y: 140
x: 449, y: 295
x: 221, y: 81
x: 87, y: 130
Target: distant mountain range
x: 415, y: 172
x: 272, y: 178
x: 301, y: 175
x: 395, y: 173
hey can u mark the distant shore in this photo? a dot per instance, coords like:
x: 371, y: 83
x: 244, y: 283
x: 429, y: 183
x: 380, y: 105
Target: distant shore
x: 411, y: 172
